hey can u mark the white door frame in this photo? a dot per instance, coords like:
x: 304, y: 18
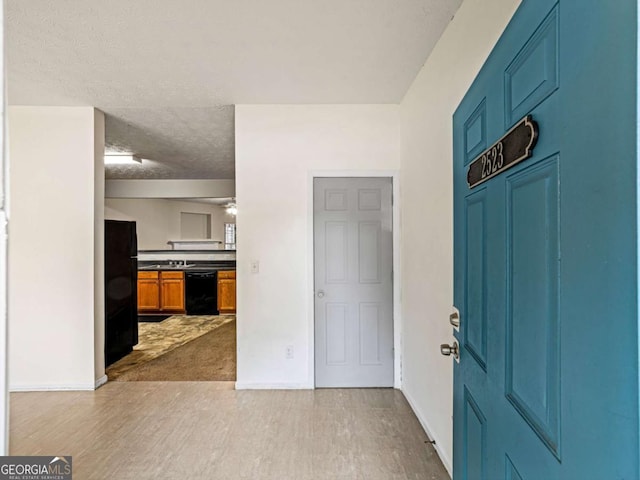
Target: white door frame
x: 397, y: 324
x: 4, y: 241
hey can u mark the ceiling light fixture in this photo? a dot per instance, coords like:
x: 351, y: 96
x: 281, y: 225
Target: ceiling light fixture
x: 121, y: 159
x: 232, y: 209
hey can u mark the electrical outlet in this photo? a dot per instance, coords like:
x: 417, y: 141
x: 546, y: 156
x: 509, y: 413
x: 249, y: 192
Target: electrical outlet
x: 288, y: 353
x: 255, y: 266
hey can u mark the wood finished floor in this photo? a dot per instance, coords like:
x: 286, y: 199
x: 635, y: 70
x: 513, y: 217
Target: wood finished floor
x: 207, y: 430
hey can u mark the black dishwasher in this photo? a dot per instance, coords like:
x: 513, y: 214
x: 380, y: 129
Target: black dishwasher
x: 201, y: 291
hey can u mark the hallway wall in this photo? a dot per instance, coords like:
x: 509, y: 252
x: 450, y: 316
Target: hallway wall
x: 56, y: 254
x: 277, y: 149
x: 427, y: 209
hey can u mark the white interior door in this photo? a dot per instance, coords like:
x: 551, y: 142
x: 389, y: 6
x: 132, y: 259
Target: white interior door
x: 353, y: 261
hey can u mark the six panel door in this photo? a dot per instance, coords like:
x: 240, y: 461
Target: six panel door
x: 545, y: 252
x: 353, y: 257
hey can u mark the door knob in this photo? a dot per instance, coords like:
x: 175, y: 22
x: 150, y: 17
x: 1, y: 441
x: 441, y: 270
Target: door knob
x: 450, y: 350
x: 320, y: 293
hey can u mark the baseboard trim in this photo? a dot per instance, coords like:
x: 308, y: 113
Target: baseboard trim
x: 273, y: 386
x: 446, y: 461
x: 53, y: 388
x: 101, y: 381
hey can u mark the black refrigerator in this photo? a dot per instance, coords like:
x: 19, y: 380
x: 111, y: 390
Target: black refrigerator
x: 121, y: 289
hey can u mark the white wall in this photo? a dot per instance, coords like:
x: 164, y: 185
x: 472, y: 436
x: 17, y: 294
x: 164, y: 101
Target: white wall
x: 55, y: 282
x: 4, y: 225
x: 277, y: 148
x: 98, y: 230
x: 158, y: 220
x: 427, y: 208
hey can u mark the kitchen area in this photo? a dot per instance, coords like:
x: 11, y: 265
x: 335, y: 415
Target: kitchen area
x: 186, y: 282
x: 181, y: 303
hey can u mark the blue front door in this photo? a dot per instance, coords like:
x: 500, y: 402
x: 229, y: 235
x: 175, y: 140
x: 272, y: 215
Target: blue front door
x: 546, y: 253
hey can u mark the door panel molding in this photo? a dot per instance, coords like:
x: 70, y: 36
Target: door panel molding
x: 511, y: 472
x: 475, y: 434
x: 369, y: 249
x: 533, y: 74
x: 336, y: 200
x: 532, y: 272
x: 475, y: 132
x: 369, y: 199
x: 335, y: 322
x: 336, y: 247
x: 369, y: 318
x: 475, y: 275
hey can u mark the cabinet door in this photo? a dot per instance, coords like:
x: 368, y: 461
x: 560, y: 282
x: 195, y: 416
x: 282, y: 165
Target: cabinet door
x: 172, y: 291
x: 227, y: 292
x: 148, y: 294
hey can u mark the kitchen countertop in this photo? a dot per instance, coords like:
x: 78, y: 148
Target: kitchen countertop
x: 187, y: 251
x: 164, y: 257
x: 189, y: 267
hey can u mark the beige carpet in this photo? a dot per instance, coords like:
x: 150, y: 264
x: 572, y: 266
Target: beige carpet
x: 210, y: 357
x: 158, y: 339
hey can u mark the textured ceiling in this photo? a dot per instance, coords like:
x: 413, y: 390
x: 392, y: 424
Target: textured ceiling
x: 173, y: 142
x: 161, y: 69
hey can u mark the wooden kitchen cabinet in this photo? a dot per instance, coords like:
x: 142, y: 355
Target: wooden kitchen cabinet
x: 160, y: 292
x: 148, y: 292
x: 227, y: 291
x: 172, y: 292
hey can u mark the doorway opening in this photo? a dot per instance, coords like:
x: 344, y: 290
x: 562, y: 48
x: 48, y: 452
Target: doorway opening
x: 183, y: 292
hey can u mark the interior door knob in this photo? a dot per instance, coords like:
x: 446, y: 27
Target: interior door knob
x: 320, y: 293
x: 447, y: 350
